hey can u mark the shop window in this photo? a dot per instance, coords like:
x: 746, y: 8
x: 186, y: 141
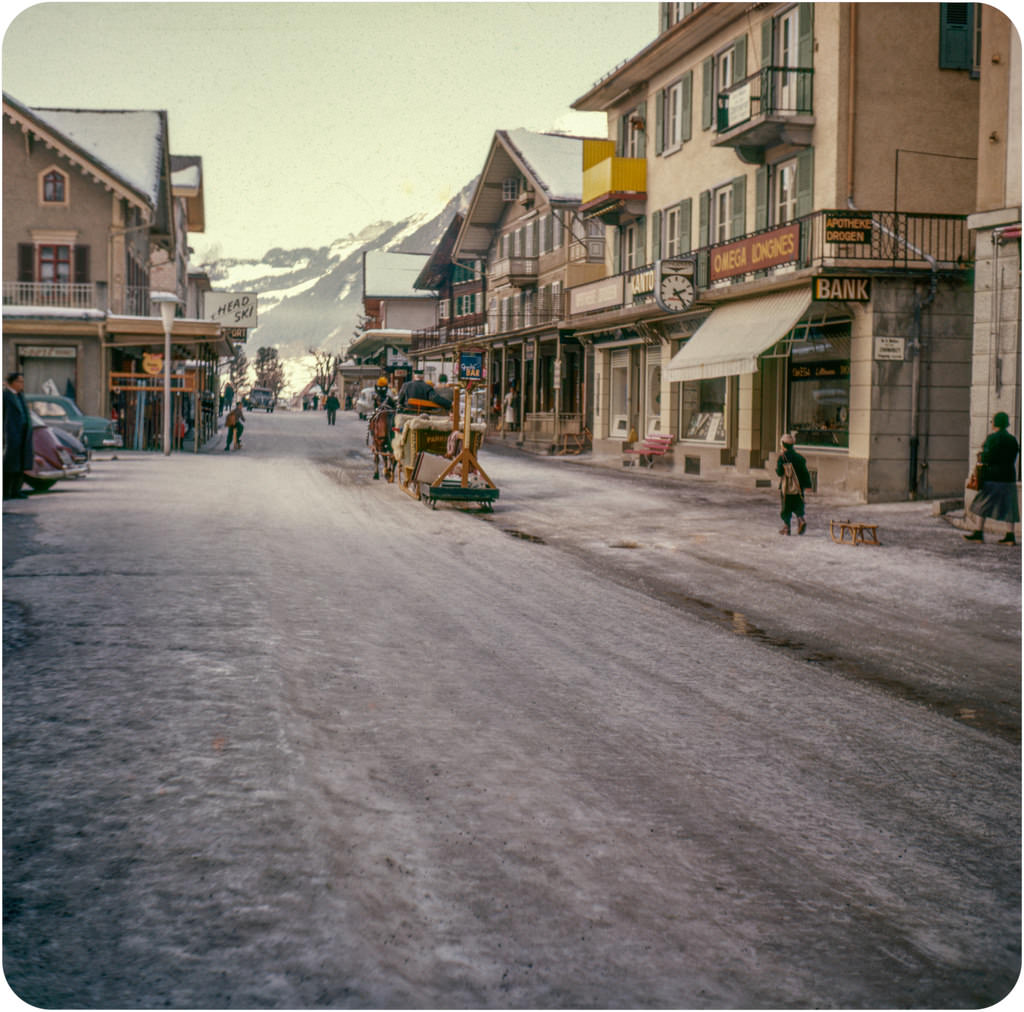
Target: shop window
x: 819, y: 387
x: 702, y: 410
x: 620, y: 396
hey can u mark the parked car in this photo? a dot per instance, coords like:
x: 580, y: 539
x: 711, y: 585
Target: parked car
x: 52, y: 460
x: 78, y: 450
x: 365, y: 402
x: 63, y: 413
x: 262, y: 397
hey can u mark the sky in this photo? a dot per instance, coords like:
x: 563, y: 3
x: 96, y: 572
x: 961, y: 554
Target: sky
x: 315, y: 120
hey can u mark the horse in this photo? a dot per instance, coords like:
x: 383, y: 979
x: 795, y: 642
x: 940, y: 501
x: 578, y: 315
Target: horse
x: 378, y: 437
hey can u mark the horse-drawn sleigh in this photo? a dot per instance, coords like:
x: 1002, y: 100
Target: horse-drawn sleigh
x: 431, y: 453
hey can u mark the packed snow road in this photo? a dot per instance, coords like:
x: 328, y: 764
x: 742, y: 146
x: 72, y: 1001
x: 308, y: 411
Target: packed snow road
x: 277, y: 736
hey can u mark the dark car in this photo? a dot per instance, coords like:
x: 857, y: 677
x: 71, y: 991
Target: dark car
x: 52, y: 460
x: 63, y: 413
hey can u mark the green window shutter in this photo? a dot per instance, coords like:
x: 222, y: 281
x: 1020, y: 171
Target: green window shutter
x: 663, y: 16
x: 685, y: 215
x: 761, y: 198
x: 659, y: 122
x: 766, y: 42
x: 686, y: 104
x: 656, y: 235
x: 620, y: 141
x: 805, y: 182
x: 739, y: 63
x: 805, y: 57
x: 704, y: 225
x: 956, y: 34
x: 641, y: 241
x: 739, y: 206
x: 617, y: 251
x: 707, y: 108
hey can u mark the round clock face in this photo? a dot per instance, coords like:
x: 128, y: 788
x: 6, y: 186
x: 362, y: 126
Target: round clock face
x: 676, y: 291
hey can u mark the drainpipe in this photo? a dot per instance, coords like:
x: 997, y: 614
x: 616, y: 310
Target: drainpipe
x: 915, y: 383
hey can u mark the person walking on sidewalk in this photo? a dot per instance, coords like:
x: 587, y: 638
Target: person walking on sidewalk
x: 794, y: 479
x: 332, y: 408
x: 235, y: 427
x: 997, y: 475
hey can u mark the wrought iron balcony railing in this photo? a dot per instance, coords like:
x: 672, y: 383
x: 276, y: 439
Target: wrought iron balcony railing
x: 134, y: 300
x: 771, y: 91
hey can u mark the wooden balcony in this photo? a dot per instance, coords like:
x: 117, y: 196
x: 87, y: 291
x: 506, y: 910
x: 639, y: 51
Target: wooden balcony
x: 520, y: 272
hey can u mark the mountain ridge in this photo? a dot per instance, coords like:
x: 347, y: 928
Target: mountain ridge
x: 311, y: 297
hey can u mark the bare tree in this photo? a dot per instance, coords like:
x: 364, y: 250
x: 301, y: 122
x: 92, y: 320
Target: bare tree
x: 238, y: 371
x: 325, y: 368
x: 269, y: 370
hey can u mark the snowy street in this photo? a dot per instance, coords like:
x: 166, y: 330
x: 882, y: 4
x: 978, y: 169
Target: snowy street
x: 278, y: 736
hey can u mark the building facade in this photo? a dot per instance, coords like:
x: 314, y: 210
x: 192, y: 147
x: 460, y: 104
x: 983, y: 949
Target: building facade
x: 808, y: 176
x: 91, y: 228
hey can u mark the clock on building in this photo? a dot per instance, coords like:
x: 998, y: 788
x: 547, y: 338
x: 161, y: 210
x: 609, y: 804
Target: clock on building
x: 674, y: 285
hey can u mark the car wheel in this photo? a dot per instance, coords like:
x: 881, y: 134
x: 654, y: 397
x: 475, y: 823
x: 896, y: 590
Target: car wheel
x: 40, y: 484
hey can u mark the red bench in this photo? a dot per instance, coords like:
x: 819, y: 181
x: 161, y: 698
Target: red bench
x: 657, y: 444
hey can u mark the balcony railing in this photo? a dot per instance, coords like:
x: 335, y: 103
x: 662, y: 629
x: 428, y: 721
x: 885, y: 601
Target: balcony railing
x: 587, y: 251
x: 766, y: 107
x: 469, y: 329
x: 521, y: 272
x: 844, y: 240
x: 133, y: 301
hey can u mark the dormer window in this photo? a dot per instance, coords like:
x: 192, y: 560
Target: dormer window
x: 509, y: 188
x: 54, y: 187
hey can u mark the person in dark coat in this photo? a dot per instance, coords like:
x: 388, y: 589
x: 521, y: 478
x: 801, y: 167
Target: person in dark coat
x: 417, y: 388
x: 332, y: 408
x: 792, y: 499
x: 997, y: 475
x: 18, y: 455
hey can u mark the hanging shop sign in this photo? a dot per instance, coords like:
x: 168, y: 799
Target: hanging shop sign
x: 471, y: 366
x: 756, y: 253
x: 233, y: 309
x: 152, y: 363
x: 47, y: 351
x: 603, y: 294
x: 235, y: 333
x: 846, y: 226
x: 640, y: 285
x: 842, y: 289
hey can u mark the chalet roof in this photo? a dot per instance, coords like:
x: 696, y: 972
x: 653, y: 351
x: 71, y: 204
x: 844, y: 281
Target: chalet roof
x: 552, y: 165
x: 392, y: 275
x: 186, y: 172
x: 435, y: 270
x: 128, y: 144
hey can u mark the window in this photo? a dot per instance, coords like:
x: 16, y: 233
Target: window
x: 630, y: 247
x: 702, y: 410
x: 443, y: 309
x: 54, y: 264
x: 819, y: 386
x: 509, y: 189
x: 54, y: 187
x: 722, y: 213
x: 675, y: 110
x: 719, y: 73
x: 672, y: 246
x: 722, y: 204
x: 784, y: 186
x: 956, y: 36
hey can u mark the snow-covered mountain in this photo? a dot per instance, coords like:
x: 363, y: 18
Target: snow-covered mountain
x: 312, y: 297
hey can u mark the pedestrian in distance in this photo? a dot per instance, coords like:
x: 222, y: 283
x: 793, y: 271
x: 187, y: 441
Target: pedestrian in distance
x: 235, y: 425
x: 18, y: 455
x: 997, y: 478
x: 332, y: 408
x: 794, y: 480
x: 509, y: 404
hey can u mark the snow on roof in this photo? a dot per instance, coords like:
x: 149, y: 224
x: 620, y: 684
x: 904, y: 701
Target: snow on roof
x: 387, y: 274
x: 54, y: 312
x: 556, y: 160
x: 128, y: 143
x: 186, y: 179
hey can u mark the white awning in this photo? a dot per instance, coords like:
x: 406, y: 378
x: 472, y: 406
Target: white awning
x: 730, y: 341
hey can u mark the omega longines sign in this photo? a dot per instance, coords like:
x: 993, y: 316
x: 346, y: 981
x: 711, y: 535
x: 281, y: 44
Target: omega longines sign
x: 675, y: 284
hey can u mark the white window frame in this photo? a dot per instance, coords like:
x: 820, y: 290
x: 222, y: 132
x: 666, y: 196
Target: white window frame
x: 783, y: 191
x: 671, y: 239
x: 630, y: 238
x: 509, y: 188
x: 721, y: 213
x: 674, y: 116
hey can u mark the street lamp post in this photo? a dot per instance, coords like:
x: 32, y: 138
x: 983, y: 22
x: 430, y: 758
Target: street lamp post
x: 166, y: 302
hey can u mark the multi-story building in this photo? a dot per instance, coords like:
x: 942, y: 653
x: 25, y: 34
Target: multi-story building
x: 93, y: 224
x: 785, y: 190
x: 996, y: 223
x: 520, y: 246
x: 392, y: 310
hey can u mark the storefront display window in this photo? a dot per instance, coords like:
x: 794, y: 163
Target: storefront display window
x: 819, y: 387
x: 702, y: 410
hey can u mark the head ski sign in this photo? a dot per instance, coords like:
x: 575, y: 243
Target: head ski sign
x: 232, y: 309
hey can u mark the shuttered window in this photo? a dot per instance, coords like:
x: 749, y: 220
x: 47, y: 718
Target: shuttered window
x: 956, y: 36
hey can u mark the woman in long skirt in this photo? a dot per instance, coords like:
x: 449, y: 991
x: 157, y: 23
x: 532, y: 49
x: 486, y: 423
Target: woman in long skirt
x: 998, y: 475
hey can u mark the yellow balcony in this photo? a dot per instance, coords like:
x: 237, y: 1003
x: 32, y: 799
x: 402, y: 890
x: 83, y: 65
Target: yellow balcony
x: 614, y: 188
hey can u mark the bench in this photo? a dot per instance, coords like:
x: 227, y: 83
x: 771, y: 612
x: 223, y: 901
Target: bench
x: 657, y: 444
x: 851, y: 533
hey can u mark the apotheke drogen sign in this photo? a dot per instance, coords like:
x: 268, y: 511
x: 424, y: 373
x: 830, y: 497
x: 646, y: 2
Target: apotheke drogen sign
x: 232, y: 309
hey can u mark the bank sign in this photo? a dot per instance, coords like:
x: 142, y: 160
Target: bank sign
x: 842, y: 289
x: 232, y: 309
x: 757, y: 253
